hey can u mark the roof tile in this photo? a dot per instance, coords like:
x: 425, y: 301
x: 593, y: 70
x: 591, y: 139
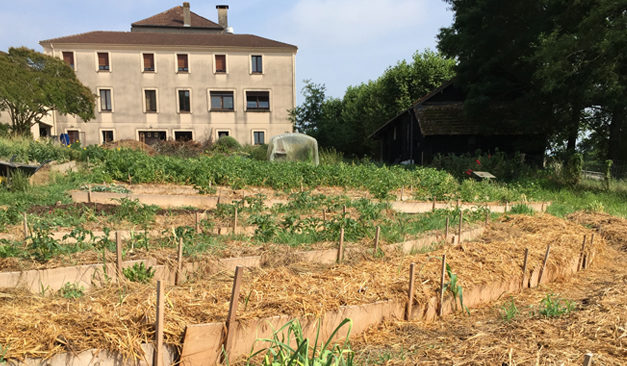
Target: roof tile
x: 174, y: 18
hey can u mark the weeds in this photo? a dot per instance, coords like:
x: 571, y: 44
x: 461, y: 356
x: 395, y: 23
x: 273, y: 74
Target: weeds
x: 71, y: 291
x: 139, y: 273
x: 509, y: 311
x: 281, y: 353
x: 552, y: 306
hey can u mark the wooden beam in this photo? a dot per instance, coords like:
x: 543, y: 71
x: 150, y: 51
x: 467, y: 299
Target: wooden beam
x: 524, y: 268
x: 179, y: 263
x: 440, y: 309
x: 546, y: 258
x: 410, y: 293
x: 158, y: 353
x: 377, y: 234
x: 118, y: 256
x: 340, y: 247
x: 232, y: 315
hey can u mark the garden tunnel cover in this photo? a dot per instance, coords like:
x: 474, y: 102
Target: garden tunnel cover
x: 293, y: 147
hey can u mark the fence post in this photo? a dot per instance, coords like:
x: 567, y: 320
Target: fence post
x: 440, y: 310
x: 433, y: 205
x: 546, y: 258
x: 446, y: 229
x: 524, y: 269
x: 232, y: 315
x: 235, y: 221
x: 587, y: 359
x: 583, y: 247
x: 410, y: 294
x: 25, y: 221
x: 377, y: 233
x: 197, y: 222
x: 459, y: 230
x: 157, y: 359
x: 89, y: 193
x: 340, y: 248
x: 118, y: 256
x: 179, y: 263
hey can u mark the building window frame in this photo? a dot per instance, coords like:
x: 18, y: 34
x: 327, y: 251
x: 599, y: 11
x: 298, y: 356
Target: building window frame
x: 256, y: 64
x: 257, y: 108
x: 73, y: 66
x: 215, y: 64
x: 175, y: 131
x: 77, y: 130
x: 221, y: 91
x: 221, y: 131
x: 178, y: 100
x: 101, y: 132
x: 145, y: 104
x: 99, y: 96
x: 182, y: 70
x: 104, y: 68
x: 254, y: 135
x: 144, y: 130
x: 143, y: 62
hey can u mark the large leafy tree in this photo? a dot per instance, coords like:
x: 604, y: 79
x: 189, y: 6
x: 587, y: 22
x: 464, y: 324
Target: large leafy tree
x: 33, y: 84
x: 346, y: 123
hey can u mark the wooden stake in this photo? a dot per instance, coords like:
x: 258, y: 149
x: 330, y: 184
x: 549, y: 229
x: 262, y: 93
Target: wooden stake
x: 197, y: 222
x: 179, y: 263
x: 88, y: 162
x: 130, y: 180
x: 506, y: 206
x: 442, y: 285
x: 25, y: 221
x: 546, y: 258
x: 157, y: 359
x: 89, y: 193
x: 232, y: 315
x: 402, y: 193
x: 458, y: 202
x: 433, y: 205
x: 591, y: 254
x: 377, y: 233
x: 301, y: 187
x: 542, y: 207
x: 340, y: 248
x: 446, y: 229
x: 324, y: 215
x: 524, y: 269
x: 118, y: 256
x: 487, y: 215
x: 587, y: 359
x: 344, y: 210
x: 583, y: 247
x: 410, y: 294
x: 459, y: 229
x: 235, y: 220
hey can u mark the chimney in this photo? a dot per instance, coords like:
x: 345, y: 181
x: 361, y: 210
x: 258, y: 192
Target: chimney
x: 223, y: 18
x: 187, y: 16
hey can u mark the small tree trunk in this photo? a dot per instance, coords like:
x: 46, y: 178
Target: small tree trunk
x: 617, y: 129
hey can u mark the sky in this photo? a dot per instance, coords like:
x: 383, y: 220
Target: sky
x: 340, y: 42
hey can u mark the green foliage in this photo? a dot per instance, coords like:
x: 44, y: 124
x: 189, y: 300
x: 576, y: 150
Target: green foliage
x: 553, y: 306
x: 71, y: 291
x: 571, y: 173
x: 52, y: 85
x: 503, y: 166
x: 18, y: 181
x: 288, y: 346
x: 41, y: 244
x: 455, y: 288
x: 226, y: 144
x: 139, y: 273
x: 608, y: 174
x: 522, y: 209
x: 509, y: 311
x: 135, y: 212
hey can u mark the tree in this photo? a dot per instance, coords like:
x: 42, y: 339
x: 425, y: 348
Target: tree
x: 346, y: 123
x: 33, y: 84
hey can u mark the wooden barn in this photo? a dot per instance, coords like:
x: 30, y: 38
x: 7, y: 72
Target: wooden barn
x: 436, y: 124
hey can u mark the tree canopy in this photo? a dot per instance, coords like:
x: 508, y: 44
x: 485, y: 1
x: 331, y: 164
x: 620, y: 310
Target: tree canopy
x: 346, y: 123
x: 33, y: 84
x: 557, y: 65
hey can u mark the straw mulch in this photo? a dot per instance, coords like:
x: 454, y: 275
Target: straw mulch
x: 598, y: 325
x: 119, y: 318
x: 611, y: 227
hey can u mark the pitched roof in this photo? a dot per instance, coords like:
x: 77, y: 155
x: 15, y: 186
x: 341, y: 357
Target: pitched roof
x: 170, y: 39
x: 174, y: 18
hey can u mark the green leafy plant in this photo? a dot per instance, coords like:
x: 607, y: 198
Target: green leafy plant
x: 455, y: 288
x: 18, y: 181
x: 552, y: 306
x: 282, y: 353
x: 42, y: 246
x: 71, y: 291
x: 509, y: 311
x: 139, y: 273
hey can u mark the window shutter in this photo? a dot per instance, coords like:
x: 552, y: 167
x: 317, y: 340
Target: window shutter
x: 220, y: 63
x: 68, y: 58
x: 103, y: 59
x: 149, y: 61
x: 182, y: 62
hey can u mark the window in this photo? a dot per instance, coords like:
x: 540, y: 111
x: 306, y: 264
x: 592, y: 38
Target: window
x: 68, y: 58
x: 183, y: 135
x: 105, y: 100
x: 222, y: 134
x: 149, y: 62
x: 103, y: 61
x: 181, y: 61
x: 73, y: 136
x: 259, y: 137
x: 107, y: 136
x: 258, y: 100
x: 151, y: 100
x: 221, y: 100
x: 151, y: 137
x: 256, y: 66
x: 220, y: 63
x: 184, y: 98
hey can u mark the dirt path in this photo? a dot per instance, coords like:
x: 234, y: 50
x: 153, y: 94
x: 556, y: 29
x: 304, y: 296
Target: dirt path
x: 598, y: 325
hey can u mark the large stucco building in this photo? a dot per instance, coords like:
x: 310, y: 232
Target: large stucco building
x: 179, y: 76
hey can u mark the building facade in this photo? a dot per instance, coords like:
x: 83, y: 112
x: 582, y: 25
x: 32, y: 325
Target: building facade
x: 179, y: 76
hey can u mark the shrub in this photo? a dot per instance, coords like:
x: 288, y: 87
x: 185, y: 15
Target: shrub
x: 571, y: 172
x: 226, y: 144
